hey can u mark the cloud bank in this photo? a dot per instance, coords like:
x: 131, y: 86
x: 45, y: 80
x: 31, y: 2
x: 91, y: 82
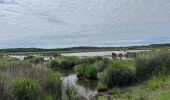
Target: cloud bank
x: 67, y: 23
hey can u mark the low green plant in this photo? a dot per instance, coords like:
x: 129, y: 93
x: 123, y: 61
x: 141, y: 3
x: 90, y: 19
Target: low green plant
x: 53, y: 85
x: 148, y: 65
x: 34, y: 59
x: 91, y: 72
x: 25, y: 89
x: 88, y: 71
x: 164, y: 95
x: 70, y: 92
x: 118, y: 73
x: 91, y: 60
x: 116, y: 91
x: 80, y: 70
x: 47, y: 97
x: 154, y: 83
x: 63, y: 62
x: 101, y: 87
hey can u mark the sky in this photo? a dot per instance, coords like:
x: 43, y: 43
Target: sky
x: 72, y: 23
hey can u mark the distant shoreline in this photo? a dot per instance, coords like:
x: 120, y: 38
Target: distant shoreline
x: 20, y: 51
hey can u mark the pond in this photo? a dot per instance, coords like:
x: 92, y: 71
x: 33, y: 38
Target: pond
x: 84, y: 88
x: 100, y: 53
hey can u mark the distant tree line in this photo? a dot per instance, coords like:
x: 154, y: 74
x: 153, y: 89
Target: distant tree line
x: 167, y: 45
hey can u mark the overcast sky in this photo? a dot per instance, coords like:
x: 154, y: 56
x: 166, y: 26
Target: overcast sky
x: 68, y: 23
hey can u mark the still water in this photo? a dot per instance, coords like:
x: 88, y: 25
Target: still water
x: 100, y: 53
x: 84, y: 88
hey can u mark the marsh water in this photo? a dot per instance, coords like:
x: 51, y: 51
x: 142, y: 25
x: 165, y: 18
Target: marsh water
x: 84, y: 88
x: 100, y: 53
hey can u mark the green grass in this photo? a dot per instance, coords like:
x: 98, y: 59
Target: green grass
x: 102, y: 98
x: 102, y: 87
x: 143, y: 92
x: 21, y: 80
x: 34, y: 59
x: 63, y: 63
x: 25, y: 89
x: 118, y: 73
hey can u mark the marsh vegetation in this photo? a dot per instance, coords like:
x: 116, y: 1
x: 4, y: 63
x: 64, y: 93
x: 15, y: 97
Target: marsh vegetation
x: 36, y: 79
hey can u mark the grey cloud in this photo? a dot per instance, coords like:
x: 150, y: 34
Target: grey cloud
x: 64, y: 21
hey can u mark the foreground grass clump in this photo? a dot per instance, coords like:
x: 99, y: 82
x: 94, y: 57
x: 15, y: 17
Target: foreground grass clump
x: 53, y: 85
x: 63, y: 62
x: 34, y: 59
x: 22, y: 80
x: 118, y: 73
x: 69, y: 93
x: 149, y: 65
x: 25, y: 89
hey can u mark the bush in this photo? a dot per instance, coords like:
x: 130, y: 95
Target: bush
x: 25, y: 89
x: 101, y: 87
x: 53, y: 85
x: 118, y: 73
x: 63, y: 63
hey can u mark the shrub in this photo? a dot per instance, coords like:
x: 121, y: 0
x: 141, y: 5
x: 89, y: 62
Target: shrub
x: 101, y: 87
x: 25, y: 89
x: 53, y: 85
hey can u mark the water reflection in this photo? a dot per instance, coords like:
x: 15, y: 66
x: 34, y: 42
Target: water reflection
x: 84, y: 88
